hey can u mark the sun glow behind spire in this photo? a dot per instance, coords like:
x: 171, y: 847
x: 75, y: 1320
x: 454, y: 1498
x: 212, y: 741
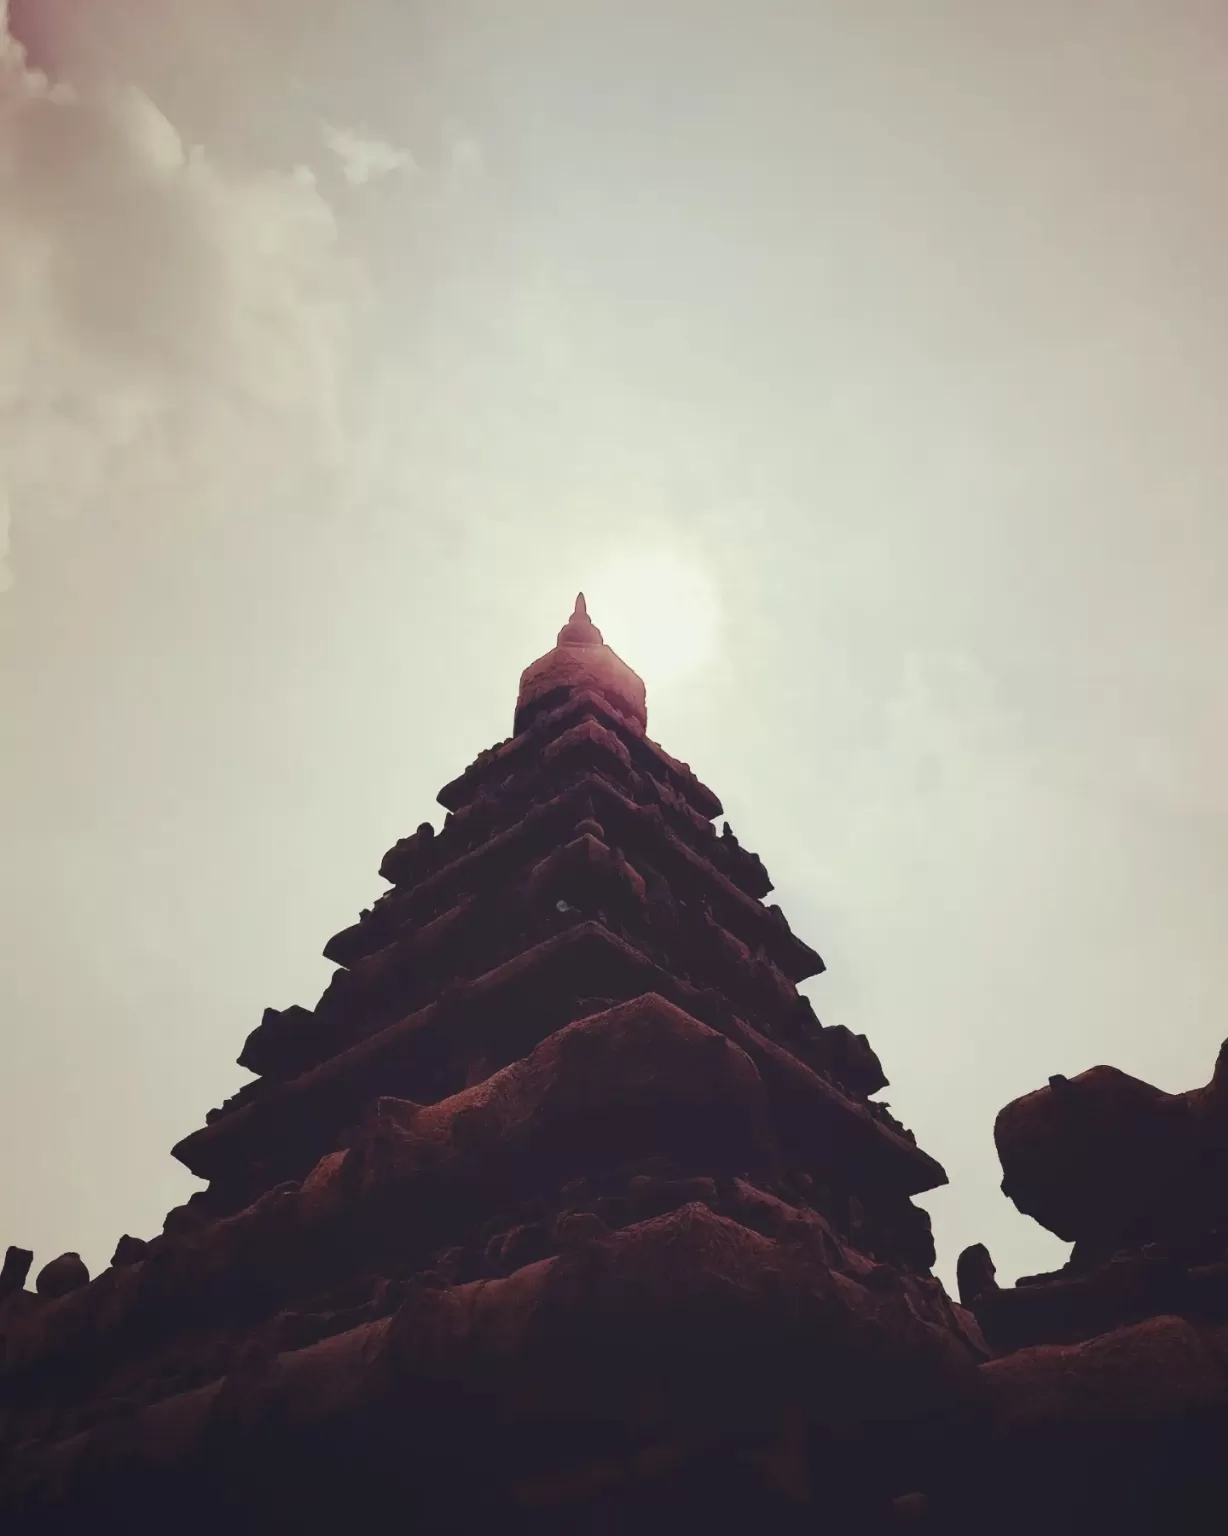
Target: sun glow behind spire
x: 659, y: 612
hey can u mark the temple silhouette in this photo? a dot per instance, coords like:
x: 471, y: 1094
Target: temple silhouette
x: 561, y: 1211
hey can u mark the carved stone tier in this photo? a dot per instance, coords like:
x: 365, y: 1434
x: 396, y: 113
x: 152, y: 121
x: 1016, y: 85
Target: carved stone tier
x: 640, y: 830
x: 473, y: 934
x: 490, y: 767
x: 494, y: 1019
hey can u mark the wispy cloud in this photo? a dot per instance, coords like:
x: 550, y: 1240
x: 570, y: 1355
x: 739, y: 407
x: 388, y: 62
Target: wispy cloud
x: 170, y: 324
x: 363, y: 156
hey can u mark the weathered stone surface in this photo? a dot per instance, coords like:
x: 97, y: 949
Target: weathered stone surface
x: 685, y: 1325
x: 67, y: 1273
x: 1108, y: 1162
x: 852, y: 1061
x: 1156, y: 1372
x: 642, y: 1079
x: 1137, y: 1179
x: 326, y: 1188
x: 129, y: 1250
x: 17, y: 1263
x: 975, y: 1275
x: 1083, y: 1155
x: 1122, y: 1432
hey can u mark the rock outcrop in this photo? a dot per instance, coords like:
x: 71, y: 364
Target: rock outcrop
x: 1137, y: 1180
x: 1111, y: 1376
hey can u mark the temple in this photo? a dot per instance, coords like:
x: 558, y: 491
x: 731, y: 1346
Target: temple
x: 561, y: 1211
x: 577, y: 868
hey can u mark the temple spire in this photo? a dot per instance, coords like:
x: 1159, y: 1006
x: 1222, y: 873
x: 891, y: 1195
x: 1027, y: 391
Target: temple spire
x: 580, y: 659
x: 580, y: 629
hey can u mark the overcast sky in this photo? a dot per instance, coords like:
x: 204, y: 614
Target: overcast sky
x: 341, y: 343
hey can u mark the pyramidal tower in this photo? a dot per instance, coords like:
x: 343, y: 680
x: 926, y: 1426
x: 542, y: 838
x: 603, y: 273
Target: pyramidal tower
x: 578, y: 867
x: 559, y: 1207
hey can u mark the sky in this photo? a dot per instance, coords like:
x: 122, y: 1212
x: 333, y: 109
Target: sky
x: 865, y: 365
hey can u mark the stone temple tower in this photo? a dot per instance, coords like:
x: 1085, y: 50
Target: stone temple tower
x: 560, y: 1208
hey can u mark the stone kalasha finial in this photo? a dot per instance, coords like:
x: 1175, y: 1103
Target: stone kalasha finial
x: 579, y: 629
x: 580, y: 659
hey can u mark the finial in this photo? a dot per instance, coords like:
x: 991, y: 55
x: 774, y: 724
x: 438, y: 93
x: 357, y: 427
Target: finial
x: 579, y: 629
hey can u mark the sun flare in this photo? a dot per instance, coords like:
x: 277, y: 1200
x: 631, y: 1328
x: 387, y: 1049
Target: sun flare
x: 660, y: 613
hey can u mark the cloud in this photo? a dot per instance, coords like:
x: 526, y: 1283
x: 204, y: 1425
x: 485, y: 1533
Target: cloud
x: 364, y: 157
x: 170, y: 324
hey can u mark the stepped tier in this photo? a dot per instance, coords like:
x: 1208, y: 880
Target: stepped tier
x: 443, y: 1320
x: 639, y: 830
x: 498, y: 763
x: 493, y: 1020
x: 617, y: 1203
x: 487, y: 904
